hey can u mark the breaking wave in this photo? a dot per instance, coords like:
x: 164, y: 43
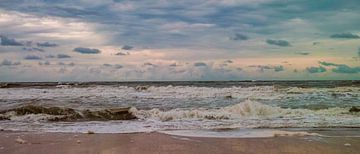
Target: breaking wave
x: 247, y: 109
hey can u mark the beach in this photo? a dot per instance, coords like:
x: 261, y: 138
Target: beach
x: 79, y: 143
x: 180, y: 117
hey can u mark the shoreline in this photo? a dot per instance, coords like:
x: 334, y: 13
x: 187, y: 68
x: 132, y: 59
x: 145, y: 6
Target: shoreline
x: 14, y: 142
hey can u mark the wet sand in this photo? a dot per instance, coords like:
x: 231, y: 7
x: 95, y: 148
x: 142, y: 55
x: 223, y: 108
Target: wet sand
x: 71, y: 143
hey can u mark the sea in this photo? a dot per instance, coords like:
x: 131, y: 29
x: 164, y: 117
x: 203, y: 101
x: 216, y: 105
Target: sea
x: 212, y: 108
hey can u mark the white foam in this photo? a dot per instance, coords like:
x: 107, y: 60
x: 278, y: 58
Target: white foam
x: 243, y: 133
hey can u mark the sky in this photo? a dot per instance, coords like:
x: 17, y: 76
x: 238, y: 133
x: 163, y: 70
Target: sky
x: 158, y: 40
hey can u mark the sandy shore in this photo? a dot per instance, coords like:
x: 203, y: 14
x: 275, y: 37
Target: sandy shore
x: 68, y: 143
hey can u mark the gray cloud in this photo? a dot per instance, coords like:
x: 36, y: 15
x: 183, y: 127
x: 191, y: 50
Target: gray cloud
x: 32, y: 57
x: 33, y: 49
x: 44, y: 63
x: 282, y: 43
x: 116, y: 66
x: 239, y: 37
x: 50, y: 56
x: 64, y: 64
x: 127, y: 47
x: 60, y: 56
x: 316, y: 43
x: 319, y: 69
x: 345, y: 36
x: 87, y: 50
x: 5, y: 41
x: 148, y: 64
x: 198, y: 64
x: 173, y: 65
x: 341, y: 68
x: 261, y: 68
x: 302, y: 53
x: 46, y: 44
x: 279, y: 68
x: 229, y: 61
x: 6, y: 62
x: 122, y: 54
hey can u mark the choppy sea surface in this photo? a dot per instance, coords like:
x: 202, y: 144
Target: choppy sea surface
x: 164, y: 106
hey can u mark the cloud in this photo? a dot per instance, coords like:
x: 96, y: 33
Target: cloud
x: 60, y: 56
x: 6, y: 62
x: 359, y: 52
x: 239, y: 37
x: 32, y: 57
x: 345, y: 36
x: 87, y: 50
x: 46, y: 44
x: 33, y: 49
x: 116, y: 66
x: 199, y: 64
x: 127, y: 47
x: 302, y: 53
x: 64, y: 64
x: 148, y: 64
x: 319, y: 69
x: 5, y: 41
x: 44, y: 63
x: 282, y: 43
x: 122, y: 54
x: 229, y: 61
x: 342, y: 68
x: 277, y: 68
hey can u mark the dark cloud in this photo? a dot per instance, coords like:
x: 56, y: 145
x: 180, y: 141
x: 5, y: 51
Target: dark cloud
x: 316, y: 43
x: 282, y: 43
x: 148, y: 64
x: 302, y: 53
x: 60, y: 56
x: 6, y: 62
x: 5, y: 41
x: 46, y: 44
x: 122, y: 54
x: 261, y: 68
x: 127, y: 47
x: 33, y: 49
x: 239, y: 37
x: 341, y: 68
x: 198, y: 64
x: 319, y: 69
x: 87, y: 50
x: 345, y: 36
x: 44, y: 63
x: 64, y: 64
x: 50, y: 56
x: 279, y: 68
x: 229, y: 61
x: 32, y: 57
x: 173, y: 65
x: 116, y: 66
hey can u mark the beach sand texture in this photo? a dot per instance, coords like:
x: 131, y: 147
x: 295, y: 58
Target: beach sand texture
x: 139, y: 143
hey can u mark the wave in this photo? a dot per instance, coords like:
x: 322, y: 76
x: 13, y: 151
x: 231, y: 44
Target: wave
x: 247, y: 109
x: 38, y: 113
x: 241, y: 111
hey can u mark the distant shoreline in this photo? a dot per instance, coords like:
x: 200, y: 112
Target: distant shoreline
x: 244, y: 83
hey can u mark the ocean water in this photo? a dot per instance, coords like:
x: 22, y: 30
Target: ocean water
x: 179, y: 106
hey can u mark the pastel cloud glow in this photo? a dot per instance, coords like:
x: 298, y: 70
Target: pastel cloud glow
x: 121, y: 40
